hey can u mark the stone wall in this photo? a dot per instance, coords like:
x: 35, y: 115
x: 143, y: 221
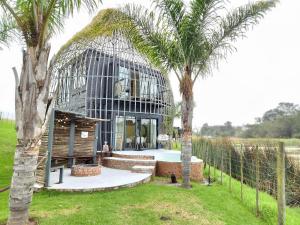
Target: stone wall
x: 85, y: 170
x: 125, y: 164
x: 168, y: 168
x: 146, y: 157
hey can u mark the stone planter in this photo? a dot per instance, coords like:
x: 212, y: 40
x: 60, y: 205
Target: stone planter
x: 85, y: 170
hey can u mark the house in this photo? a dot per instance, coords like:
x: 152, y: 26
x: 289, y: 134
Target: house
x: 110, y: 80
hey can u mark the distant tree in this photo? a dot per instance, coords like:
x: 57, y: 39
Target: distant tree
x: 228, y: 129
x: 205, y: 130
x: 283, y: 109
x: 258, y: 120
x: 280, y: 122
x: 296, y: 126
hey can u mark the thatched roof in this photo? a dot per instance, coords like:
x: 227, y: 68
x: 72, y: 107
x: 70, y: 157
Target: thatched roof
x: 103, y: 24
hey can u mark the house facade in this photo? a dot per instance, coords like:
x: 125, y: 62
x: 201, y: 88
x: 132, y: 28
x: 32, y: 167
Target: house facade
x: 108, y: 79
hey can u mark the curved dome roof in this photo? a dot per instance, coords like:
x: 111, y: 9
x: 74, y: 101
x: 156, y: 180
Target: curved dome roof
x: 84, y: 60
x: 103, y: 32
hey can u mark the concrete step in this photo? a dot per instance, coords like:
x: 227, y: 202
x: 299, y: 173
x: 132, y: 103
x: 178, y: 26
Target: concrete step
x: 143, y: 169
x: 144, y: 157
x: 126, y: 164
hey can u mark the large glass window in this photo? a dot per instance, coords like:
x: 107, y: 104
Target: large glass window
x: 153, y: 87
x: 134, y: 84
x: 144, y: 86
x: 122, y: 84
x: 148, y: 86
x: 131, y: 133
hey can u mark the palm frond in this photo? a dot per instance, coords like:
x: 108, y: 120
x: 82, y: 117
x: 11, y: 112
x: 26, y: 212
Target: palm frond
x: 240, y: 20
x: 205, y: 14
x: 197, y: 25
x: 171, y: 13
x: 172, y: 16
x: 38, y: 20
x: 8, y: 30
x: 57, y: 11
x: 151, y: 38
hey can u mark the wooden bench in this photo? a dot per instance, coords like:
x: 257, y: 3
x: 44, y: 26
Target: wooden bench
x: 61, y: 172
x: 71, y: 159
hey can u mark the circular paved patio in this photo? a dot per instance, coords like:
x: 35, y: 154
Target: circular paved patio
x: 109, y: 179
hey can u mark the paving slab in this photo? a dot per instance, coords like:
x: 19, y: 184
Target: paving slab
x: 159, y: 154
x: 108, y: 179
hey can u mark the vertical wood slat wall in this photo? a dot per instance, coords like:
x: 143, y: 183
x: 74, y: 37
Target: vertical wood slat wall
x: 83, y: 147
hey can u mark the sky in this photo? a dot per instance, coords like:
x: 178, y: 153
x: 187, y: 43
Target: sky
x: 263, y: 72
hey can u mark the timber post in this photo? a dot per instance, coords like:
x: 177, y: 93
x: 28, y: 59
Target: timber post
x: 222, y: 165
x: 230, y: 172
x: 242, y: 171
x: 95, y: 144
x: 281, y: 184
x: 71, y: 144
x: 50, y: 147
x: 257, y: 180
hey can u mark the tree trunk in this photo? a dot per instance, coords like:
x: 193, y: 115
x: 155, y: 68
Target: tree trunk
x: 31, y: 106
x: 186, y: 89
x: 22, y: 183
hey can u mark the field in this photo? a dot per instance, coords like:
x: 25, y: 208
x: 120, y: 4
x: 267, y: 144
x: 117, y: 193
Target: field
x: 153, y: 203
x: 290, y: 142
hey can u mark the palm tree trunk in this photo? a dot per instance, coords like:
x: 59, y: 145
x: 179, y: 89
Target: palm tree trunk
x: 31, y: 106
x: 22, y: 183
x: 186, y: 89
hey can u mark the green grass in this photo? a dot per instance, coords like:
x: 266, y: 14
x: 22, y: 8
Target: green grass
x: 145, y: 204
x: 7, y: 146
x: 267, y: 204
x: 176, y: 145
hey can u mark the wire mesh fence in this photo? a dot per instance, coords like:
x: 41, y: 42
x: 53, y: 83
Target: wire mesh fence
x: 258, y: 174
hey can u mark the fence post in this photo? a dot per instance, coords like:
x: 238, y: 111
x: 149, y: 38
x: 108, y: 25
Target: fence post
x: 230, y: 188
x: 242, y: 172
x: 257, y: 180
x: 281, y: 184
x: 214, y: 155
x: 222, y: 165
x: 209, y: 162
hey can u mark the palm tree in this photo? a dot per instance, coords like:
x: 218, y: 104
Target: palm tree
x: 35, y: 22
x: 190, y: 40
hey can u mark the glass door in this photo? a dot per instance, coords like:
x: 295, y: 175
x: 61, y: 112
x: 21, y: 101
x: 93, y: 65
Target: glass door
x: 145, y: 133
x: 153, y: 133
x: 130, y: 133
x: 119, y: 133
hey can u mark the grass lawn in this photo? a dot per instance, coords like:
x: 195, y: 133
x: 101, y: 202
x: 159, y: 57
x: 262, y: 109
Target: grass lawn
x: 7, y: 146
x: 153, y: 203
x: 145, y: 204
